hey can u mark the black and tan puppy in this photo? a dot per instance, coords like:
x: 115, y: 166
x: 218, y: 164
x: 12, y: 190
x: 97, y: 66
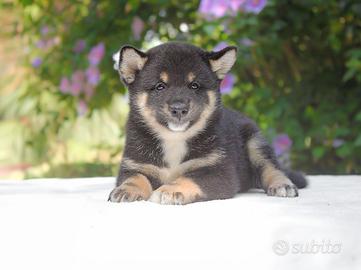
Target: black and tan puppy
x: 182, y: 145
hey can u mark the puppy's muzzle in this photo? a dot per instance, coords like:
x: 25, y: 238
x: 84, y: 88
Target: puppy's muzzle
x: 178, y: 109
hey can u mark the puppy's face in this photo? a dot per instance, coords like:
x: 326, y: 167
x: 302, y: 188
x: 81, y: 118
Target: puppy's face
x: 174, y: 85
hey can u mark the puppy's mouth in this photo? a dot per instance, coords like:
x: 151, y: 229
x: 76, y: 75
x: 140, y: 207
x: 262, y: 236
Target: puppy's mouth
x: 178, y: 127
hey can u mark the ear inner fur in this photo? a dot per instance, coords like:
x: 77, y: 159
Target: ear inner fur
x: 131, y: 61
x: 222, y: 62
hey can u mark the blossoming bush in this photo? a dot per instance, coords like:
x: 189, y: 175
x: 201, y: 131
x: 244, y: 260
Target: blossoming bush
x: 297, y: 74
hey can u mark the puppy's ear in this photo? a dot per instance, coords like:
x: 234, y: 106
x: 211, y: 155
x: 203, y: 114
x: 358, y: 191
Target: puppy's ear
x: 221, y: 62
x: 128, y: 61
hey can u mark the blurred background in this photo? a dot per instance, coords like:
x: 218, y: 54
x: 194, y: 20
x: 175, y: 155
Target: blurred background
x: 63, y: 108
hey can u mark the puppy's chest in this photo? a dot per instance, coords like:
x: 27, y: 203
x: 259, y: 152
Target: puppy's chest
x: 176, y: 158
x: 174, y: 152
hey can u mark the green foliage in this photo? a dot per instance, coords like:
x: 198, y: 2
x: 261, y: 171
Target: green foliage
x: 298, y: 70
x: 79, y: 170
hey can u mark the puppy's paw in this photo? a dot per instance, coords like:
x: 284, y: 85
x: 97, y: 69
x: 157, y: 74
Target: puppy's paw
x: 124, y: 193
x: 182, y: 191
x: 282, y: 190
x: 136, y: 188
x: 166, y: 195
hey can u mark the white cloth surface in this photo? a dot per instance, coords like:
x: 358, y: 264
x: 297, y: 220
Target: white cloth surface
x: 68, y: 224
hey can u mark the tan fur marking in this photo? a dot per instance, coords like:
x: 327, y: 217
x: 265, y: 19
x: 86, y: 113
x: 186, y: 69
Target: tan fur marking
x: 191, y: 77
x: 163, y: 132
x: 255, y: 154
x: 164, y: 76
x: 131, y: 62
x: 168, y: 175
x: 134, y: 188
x: 270, y: 175
x: 182, y: 191
x: 142, y: 183
x: 174, y: 140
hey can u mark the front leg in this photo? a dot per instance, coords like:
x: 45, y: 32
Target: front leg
x: 200, y: 185
x: 134, y: 188
x: 182, y: 191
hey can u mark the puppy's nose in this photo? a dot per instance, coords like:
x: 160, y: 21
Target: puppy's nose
x: 178, y: 109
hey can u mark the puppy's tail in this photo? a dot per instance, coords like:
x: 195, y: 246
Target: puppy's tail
x: 297, y: 178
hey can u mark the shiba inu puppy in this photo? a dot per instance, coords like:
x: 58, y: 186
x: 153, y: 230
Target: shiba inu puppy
x: 182, y: 145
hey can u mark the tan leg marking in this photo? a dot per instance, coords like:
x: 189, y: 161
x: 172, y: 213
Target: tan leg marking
x: 274, y: 181
x: 135, y: 188
x: 182, y: 191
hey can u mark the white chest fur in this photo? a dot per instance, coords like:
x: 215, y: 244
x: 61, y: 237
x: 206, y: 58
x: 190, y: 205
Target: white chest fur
x: 174, y: 150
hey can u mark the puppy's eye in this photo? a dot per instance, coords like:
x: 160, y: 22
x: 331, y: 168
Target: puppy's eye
x: 194, y: 86
x: 159, y: 86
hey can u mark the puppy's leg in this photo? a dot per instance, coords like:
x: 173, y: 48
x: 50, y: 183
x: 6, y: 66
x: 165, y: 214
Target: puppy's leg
x: 206, y: 183
x: 182, y: 191
x: 133, y: 188
x: 273, y: 179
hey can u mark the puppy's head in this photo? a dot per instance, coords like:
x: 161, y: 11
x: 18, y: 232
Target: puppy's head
x: 174, y: 86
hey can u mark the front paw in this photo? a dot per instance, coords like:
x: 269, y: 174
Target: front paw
x: 166, y: 195
x: 282, y: 190
x: 136, y: 188
x: 124, y: 194
x: 182, y: 191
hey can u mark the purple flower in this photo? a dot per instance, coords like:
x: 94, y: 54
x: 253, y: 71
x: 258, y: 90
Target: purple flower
x: 235, y: 5
x: 220, y: 46
x: 96, y: 54
x: 36, y: 62
x: 41, y: 44
x: 246, y: 42
x: 255, y: 6
x: 89, y: 91
x: 214, y: 8
x: 77, y: 82
x: 137, y: 27
x: 92, y: 75
x: 281, y: 144
x: 82, y: 107
x: 64, y: 85
x: 79, y: 46
x: 219, y: 8
x: 44, y: 30
x: 227, y: 84
x: 337, y: 143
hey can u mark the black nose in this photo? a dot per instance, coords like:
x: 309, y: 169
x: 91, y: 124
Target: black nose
x: 179, y: 109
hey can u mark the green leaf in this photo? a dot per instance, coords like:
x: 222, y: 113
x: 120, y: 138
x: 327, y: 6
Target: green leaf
x: 358, y: 117
x: 358, y: 141
x: 318, y: 152
x: 345, y: 150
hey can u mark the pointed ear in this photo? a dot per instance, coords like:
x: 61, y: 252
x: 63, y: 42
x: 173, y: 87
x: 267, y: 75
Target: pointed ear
x: 221, y: 62
x: 128, y: 61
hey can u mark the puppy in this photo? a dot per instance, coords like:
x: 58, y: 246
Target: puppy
x: 182, y: 145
